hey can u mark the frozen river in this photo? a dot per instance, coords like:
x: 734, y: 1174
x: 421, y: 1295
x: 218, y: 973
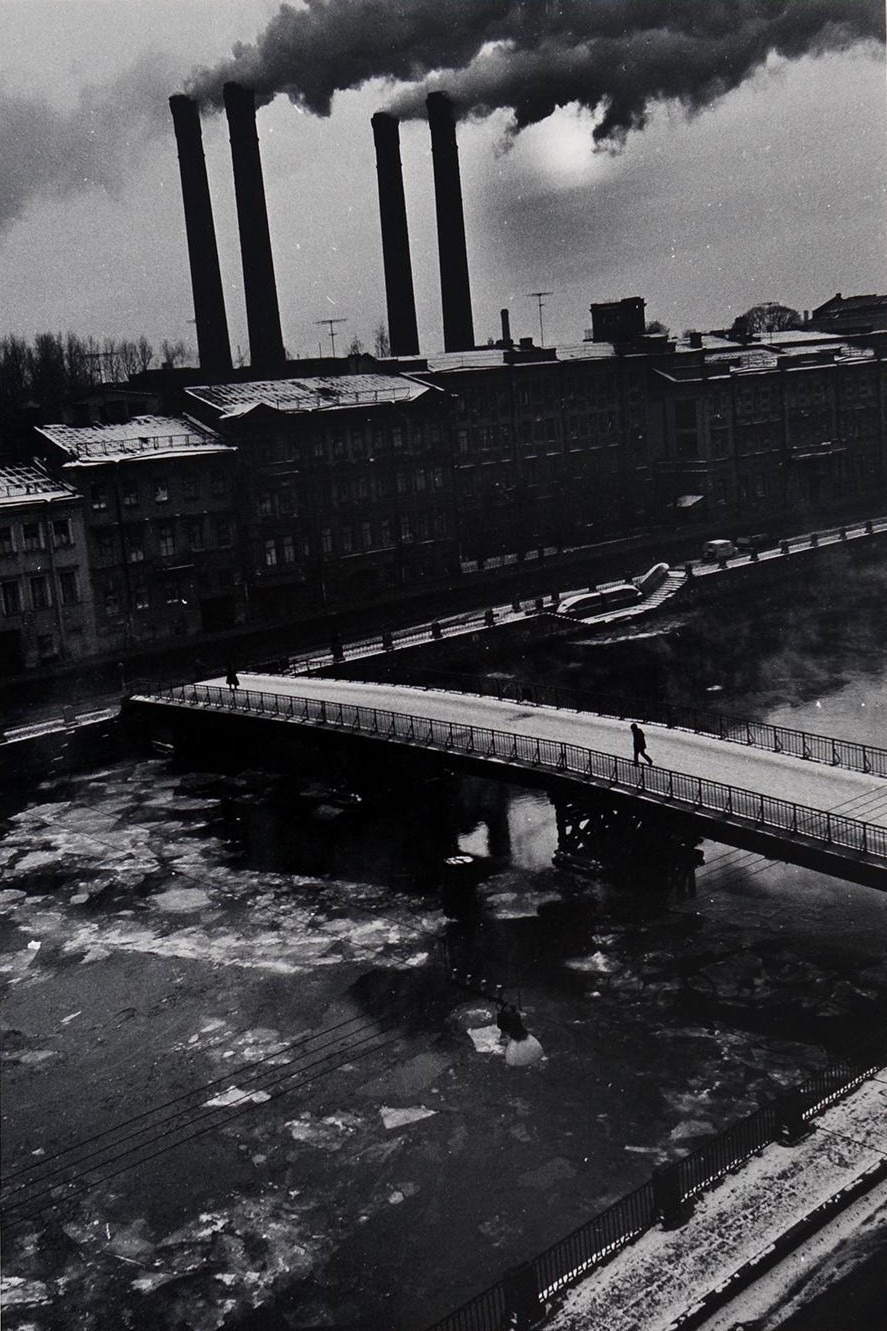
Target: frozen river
x: 237, y: 1074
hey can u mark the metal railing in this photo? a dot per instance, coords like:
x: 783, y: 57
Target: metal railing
x: 679, y: 789
x: 826, y: 749
x: 579, y: 1252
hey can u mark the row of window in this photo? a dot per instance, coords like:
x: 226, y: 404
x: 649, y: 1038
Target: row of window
x: 171, y: 539
x: 157, y: 489
x: 18, y: 595
x: 357, y: 444
x: 284, y: 551
x: 33, y: 535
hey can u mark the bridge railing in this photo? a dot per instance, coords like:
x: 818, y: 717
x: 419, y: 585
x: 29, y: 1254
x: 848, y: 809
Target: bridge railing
x: 680, y: 789
x: 854, y: 757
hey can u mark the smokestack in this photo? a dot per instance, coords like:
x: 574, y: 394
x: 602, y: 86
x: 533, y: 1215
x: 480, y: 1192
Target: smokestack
x: 402, y: 331
x: 213, y: 346
x: 454, y: 288
x: 507, y: 340
x: 260, y: 292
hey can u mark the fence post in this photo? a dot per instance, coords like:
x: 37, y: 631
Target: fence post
x: 672, y: 1207
x: 522, y: 1301
x: 790, y: 1125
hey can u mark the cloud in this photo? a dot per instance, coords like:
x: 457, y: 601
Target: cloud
x: 614, y: 57
x: 48, y: 153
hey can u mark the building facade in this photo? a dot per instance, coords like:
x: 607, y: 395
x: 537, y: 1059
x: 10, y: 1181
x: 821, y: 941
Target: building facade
x: 161, y: 528
x: 46, y: 605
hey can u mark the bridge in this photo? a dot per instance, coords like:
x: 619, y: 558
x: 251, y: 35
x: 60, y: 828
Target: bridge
x: 825, y: 809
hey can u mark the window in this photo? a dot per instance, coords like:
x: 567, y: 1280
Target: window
x: 421, y: 480
x: 326, y: 541
x: 195, y: 536
x: 68, y: 590
x: 130, y: 495
x: 99, y: 498
x: 46, y: 647
x: 135, y: 550
x: 191, y: 488
x: 9, y: 597
x: 140, y: 598
x: 223, y: 533
x: 111, y: 599
x: 385, y: 532
x: 7, y: 544
x: 406, y: 527
x: 161, y: 490
x: 166, y: 536
x: 105, y: 545
x: 289, y: 550
x: 438, y: 478
x: 40, y: 599
x: 271, y: 554
x: 171, y: 593
x: 263, y: 505
x: 440, y: 524
x: 402, y: 483
x: 347, y: 540
x: 218, y: 484
x: 366, y: 535
x: 397, y: 436
x: 32, y: 536
x: 285, y: 499
x: 61, y: 532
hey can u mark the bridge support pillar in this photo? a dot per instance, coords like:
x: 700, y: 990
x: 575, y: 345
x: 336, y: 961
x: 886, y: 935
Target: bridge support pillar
x: 639, y: 845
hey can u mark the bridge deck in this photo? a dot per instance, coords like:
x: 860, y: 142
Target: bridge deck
x: 814, y: 785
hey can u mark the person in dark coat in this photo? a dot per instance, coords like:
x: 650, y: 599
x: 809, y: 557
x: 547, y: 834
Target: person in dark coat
x: 639, y: 742
x: 231, y: 679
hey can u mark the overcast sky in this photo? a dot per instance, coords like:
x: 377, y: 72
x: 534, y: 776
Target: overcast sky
x: 774, y: 190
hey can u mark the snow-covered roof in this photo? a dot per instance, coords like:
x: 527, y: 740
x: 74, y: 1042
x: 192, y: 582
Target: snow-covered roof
x: 140, y: 437
x: 28, y: 485
x: 317, y: 393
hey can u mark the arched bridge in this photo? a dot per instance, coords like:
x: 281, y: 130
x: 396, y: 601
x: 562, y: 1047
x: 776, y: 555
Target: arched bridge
x: 819, y: 814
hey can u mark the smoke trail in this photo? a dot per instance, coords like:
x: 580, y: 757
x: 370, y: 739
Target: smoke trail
x: 614, y: 57
x: 45, y: 153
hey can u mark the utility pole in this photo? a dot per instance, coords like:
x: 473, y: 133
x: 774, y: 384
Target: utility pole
x: 330, y: 323
x: 539, y: 299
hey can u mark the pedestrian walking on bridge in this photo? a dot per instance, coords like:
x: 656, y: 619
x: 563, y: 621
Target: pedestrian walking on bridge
x: 639, y: 742
x: 231, y: 679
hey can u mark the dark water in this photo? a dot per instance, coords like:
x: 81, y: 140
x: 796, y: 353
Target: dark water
x: 255, y: 904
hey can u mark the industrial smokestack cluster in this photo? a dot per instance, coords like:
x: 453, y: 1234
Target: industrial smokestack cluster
x: 260, y: 290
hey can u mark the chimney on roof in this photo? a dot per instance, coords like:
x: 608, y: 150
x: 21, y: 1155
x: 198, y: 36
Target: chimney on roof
x: 507, y: 339
x: 403, y: 333
x: 259, y: 288
x: 455, y: 290
x: 213, y: 347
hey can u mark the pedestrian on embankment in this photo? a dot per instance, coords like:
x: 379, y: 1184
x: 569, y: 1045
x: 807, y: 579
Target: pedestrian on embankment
x: 231, y: 678
x: 639, y: 743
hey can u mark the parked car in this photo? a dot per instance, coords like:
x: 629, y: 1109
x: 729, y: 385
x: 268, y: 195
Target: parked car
x: 714, y: 550
x: 752, y: 544
x: 596, y: 602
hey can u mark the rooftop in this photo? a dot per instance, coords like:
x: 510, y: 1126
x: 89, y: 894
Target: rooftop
x: 141, y: 436
x: 318, y: 393
x: 22, y: 485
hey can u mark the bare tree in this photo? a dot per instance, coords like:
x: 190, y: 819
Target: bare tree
x: 381, y: 341
x: 173, y: 353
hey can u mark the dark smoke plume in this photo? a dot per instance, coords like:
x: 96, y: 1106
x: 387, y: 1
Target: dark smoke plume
x: 614, y: 57
x: 47, y: 153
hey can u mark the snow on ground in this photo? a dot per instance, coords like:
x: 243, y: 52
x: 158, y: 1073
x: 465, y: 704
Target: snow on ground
x: 659, y: 1279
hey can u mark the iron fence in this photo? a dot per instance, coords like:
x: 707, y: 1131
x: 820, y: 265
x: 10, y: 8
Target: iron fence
x: 679, y: 789
x: 854, y: 757
x: 565, y: 1261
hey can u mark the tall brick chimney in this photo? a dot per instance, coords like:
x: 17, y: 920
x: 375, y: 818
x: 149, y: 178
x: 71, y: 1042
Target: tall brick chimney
x: 260, y: 291
x: 403, y: 333
x: 454, y: 286
x: 213, y: 346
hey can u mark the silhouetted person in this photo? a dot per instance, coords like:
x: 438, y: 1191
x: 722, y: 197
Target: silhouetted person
x: 231, y: 679
x: 639, y: 741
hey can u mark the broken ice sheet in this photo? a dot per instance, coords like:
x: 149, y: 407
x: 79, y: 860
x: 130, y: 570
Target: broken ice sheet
x: 235, y: 1096
x: 398, y: 1118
